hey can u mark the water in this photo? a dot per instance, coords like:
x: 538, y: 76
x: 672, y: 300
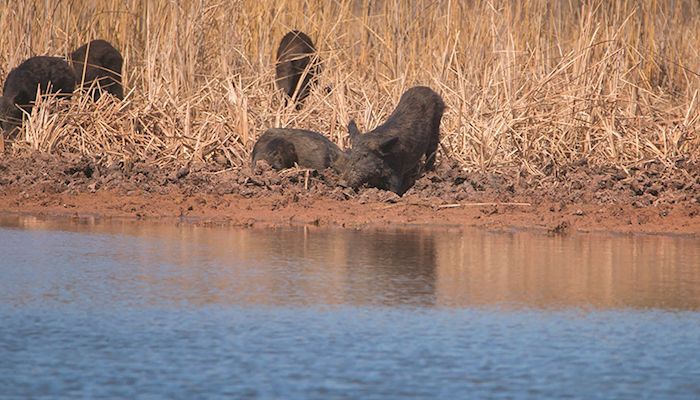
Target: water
x: 92, y: 309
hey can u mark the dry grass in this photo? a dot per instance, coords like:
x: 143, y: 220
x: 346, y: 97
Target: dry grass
x: 529, y: 85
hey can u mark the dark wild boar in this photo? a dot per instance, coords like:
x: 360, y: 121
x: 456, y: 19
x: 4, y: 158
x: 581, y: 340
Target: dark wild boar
x: 389, y: 156
x: 283, y: 147
x: 297, y: 65
x: 102, y: 72
x: 278, y: 152
x: 50, y: 75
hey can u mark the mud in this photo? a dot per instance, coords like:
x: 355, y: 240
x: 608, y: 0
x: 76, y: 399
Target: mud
x: 653, y: 198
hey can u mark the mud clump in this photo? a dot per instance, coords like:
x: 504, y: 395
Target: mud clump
x: 447, y: 184
x: 559, y: 203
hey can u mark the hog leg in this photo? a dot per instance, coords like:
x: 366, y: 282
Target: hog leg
x: 430, y: 153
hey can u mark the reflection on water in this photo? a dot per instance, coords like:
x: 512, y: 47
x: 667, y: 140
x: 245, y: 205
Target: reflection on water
x: 163, y: 263
x: 113, y: 310
x: 581, y: 270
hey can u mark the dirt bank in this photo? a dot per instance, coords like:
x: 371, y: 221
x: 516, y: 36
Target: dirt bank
x: 653, y: 198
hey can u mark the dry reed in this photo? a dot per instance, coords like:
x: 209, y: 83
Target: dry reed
x: 529, y: 85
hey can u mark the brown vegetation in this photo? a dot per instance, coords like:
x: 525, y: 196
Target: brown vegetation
x: 532, y: 85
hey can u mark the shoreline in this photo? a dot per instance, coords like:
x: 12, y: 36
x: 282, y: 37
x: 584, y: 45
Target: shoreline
x: 578, y: 198
x: 235, y: 211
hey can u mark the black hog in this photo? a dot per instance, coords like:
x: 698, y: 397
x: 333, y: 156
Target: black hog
x: 47, y: 74
x: 283, y: 147
x: 279, y: 153
x: 297, y: 65
x: 102, y: 72
x: 389, y: 156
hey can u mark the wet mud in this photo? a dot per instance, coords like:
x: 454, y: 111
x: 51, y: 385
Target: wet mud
x: 652, y: 198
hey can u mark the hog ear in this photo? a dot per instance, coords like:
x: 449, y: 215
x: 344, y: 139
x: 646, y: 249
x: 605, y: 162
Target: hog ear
x: 353, y: 132
x: 387, y: 144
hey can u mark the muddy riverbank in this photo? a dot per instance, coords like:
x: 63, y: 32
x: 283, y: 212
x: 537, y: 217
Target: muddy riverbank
x: 653, y: 198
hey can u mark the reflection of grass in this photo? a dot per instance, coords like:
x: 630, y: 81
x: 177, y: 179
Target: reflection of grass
x: 531, y: 85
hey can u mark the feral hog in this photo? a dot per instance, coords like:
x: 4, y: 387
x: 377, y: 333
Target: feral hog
x: 389, y: 156
x: 283, y: 147
x: 47, y: 74
x: 297, y: 65
x: 279, y: 153
x: 102, y: 72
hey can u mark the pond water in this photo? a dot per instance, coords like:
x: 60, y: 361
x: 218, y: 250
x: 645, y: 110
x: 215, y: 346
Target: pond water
x: 122, y: 309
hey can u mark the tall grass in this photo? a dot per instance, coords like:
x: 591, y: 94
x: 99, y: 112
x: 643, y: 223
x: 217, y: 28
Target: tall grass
x: 529, y: 85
